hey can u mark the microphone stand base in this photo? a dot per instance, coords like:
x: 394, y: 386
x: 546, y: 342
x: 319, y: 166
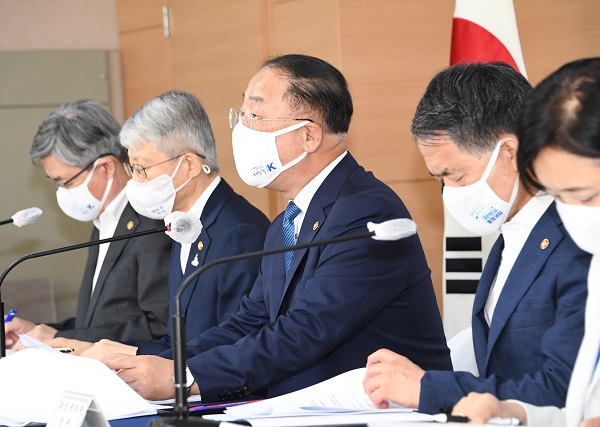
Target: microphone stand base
x: 176, y: 422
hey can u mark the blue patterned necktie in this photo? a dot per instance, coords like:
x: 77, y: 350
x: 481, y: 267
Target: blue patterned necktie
x: 291, y: 212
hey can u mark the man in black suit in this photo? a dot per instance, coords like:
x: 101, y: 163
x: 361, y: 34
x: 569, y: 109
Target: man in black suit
x: 123, y: 294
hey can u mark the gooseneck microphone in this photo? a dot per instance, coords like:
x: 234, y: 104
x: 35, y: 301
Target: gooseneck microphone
x: 395, y: 229
x: 180, y: 225
x: 24, y: 217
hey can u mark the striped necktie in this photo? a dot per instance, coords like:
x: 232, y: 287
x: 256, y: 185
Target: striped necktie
x: 289, y: 239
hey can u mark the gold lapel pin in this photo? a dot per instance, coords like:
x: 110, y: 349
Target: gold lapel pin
x: 200, y: 245
x: 545, y: 243
x: 130, y: 225
x: 315, y: 225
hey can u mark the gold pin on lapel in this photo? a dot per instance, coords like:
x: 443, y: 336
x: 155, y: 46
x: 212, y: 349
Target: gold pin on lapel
x: 315, y: 225
x: 200, y: 245
x: 195, y: 261
x: 545, y: 243
x: 130, y: 225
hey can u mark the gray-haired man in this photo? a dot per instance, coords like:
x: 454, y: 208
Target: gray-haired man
x: 123, y: 294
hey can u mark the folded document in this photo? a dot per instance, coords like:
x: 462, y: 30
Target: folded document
x: 34, y: 380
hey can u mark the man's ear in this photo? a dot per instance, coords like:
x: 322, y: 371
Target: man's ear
x: 511, y: 144
x: 313, y: 136
x: 107, y: 166
x: 193, y: 163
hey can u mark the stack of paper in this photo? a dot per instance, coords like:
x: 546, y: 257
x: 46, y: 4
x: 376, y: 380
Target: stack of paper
x: 339, y: 400
x: 34, y: 380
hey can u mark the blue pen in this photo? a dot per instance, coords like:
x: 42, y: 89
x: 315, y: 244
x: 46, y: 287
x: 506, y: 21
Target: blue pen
x: 10, y: 315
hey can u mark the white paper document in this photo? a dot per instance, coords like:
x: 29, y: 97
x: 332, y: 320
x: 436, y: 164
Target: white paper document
x: 341, y: 394
x: 34, y: 380
x: 338, y: 401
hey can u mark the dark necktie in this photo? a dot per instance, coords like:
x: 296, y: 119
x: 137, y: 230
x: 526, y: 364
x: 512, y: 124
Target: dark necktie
x: 291, y: 212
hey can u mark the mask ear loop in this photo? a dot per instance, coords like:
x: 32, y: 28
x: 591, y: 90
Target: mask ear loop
x: 174, y: 173
x: 206, y: 169
x: 491, y: 162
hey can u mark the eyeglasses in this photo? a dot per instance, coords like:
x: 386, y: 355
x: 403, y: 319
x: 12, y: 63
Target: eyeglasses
x: 248, y: 119
x: 141, y: 171
x: 74, y: 177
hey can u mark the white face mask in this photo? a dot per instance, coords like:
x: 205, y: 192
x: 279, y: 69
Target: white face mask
x: 155, y: 198
x: 255, y: 153
x: 582, y: 224
x: 79, y: 203
x: 476, y: 207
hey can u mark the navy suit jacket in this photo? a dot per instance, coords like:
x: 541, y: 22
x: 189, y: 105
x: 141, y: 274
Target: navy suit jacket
x: 529, y: 351
x: 129, y: 299
x: 230, y: 226
x: 339, y: 303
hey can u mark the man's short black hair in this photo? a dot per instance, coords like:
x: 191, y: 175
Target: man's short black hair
x: 316, y: 86
x: 471, y: 104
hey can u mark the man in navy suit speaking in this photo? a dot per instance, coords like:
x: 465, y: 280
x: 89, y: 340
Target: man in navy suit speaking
x: 528, y: 312
x: 313, y: 313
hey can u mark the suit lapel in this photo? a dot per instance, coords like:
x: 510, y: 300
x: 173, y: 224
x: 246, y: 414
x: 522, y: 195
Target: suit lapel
x: 128, y: 217
x: 313, y: 222
x: 215, y: 203
x: 83, y: 300
x: 523, y: 273
x: 479, y: 324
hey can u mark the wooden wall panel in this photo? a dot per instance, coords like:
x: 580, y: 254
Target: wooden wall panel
x: 146, y: 65
x: 135, y: 15
x: 306, y: 26
x: 554, y: 32
x: 390, y: 51
x: 216, y: 51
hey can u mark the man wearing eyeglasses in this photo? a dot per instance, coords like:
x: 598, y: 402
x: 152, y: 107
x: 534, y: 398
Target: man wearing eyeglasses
x: 123, y: 294
x: 173, y: 161
x: 312, y: 313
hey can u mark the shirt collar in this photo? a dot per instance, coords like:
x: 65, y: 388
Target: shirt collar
x: 305, y: 195
x: 113, y: 210
x: 198, y: 206
x: 533, y: 210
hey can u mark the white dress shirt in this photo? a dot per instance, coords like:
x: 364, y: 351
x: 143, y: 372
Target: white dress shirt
x: 106, y: 224
x: 515, y: 233
x: 305, y: 195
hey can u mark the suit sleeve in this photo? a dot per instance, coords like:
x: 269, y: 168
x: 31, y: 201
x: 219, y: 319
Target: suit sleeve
x: 350, y: 283
x: 147, y: 263
x: 559, y: 346
x: 233, y: 281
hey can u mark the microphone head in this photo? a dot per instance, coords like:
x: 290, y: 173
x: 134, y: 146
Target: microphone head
x: 394, y: 229
x: 26, y: 216
x: 184, y: 227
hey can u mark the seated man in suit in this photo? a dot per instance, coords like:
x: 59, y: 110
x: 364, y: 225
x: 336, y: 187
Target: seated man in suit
x: 528, y: 315
x: 312, y: 313
x: 173, y: 160
x: 123, y: 294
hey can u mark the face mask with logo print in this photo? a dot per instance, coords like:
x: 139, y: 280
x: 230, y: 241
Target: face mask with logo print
x: 79, y: 203
x: 477, y: 207
x: 255, y: 153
